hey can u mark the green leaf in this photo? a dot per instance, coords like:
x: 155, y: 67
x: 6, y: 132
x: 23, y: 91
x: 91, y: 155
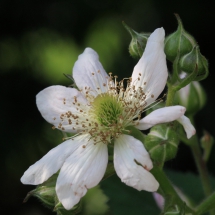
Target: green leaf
x: 127, y: 200
x: 95, y: 202
x: 189, y: 184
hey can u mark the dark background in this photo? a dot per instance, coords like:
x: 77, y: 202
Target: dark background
x: 41, y: 40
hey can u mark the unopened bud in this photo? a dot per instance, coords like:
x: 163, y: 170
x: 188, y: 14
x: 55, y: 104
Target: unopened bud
x: 45, y: 192
x: 193, y: 97
x: 180, y: 42
x: 162, y: 142
x: 138, y: 42
x: 194, y: 62
x: 207, y: 142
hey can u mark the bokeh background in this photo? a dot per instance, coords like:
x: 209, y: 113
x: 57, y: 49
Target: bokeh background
x: 41, y: 40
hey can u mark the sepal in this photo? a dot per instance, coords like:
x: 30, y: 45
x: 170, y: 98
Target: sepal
x: 136, y: 133
x: 60, y: 210
x: 175, y: 210
x: 138, y: 42
x: 162, y: 142
x: 45, y: 192
x: 178, y: 43
x: 194, y: 62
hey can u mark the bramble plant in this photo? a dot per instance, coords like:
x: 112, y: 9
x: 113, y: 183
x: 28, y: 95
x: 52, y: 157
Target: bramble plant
x: 101, y: 118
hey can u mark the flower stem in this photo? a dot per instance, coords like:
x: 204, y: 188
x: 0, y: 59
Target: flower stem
x: 200, y: 163
x: 170, y: 95
x: 166, y: 189
x: 206, y: 205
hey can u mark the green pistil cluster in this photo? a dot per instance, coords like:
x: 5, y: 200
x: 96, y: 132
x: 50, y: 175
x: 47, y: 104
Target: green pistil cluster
x: 107, y: 110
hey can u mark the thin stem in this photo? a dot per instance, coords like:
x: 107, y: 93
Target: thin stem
x: 201, y: 166
x: 170, y: 95
x: 206, y: 205
x: 167, y: 190
x: 200, y: 163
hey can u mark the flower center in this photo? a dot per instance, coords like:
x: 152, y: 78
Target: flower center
x: 107, y: 109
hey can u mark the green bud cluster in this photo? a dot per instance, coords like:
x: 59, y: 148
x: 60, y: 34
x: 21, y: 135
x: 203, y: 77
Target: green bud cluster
x: 181, y: 48
x: 138, y: 42
x: 162, y: 142
x: 193, y: 97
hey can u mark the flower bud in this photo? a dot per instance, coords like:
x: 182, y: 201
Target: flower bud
x: 180, y: 42
x: 207, y: 142
x: 194, y: 61
x: 162, y: 142
x: 138, y: 42
x: 45, y: 192
x: 193, y: 97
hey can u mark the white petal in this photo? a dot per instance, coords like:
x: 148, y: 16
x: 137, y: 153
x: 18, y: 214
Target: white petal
x: 152, y: 67
x: 49, y: 164
x: 129, y: 151
x: 188, y: 127
x: 162, y: 115
x: 89, y: 72
x: 56, y: 100
x: 84, y: 169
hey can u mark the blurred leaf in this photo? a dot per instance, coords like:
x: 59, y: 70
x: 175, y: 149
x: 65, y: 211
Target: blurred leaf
x: 50, y: 54
x: 127, y: 200
x: 189, y: 184
x: 95, y: 202
x: 105, y: 36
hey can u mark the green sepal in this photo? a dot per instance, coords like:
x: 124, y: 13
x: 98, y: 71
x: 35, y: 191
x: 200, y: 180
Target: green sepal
x: 180, y: 42
x: 45, y: 192
x: 162, y: 142
x: 60, y: 210
x: 136, y: 133
x: 176, y: 82
x: 192, y: 61
x: 138, y: 42
x: 70, y: 77
x: 176, y: 210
